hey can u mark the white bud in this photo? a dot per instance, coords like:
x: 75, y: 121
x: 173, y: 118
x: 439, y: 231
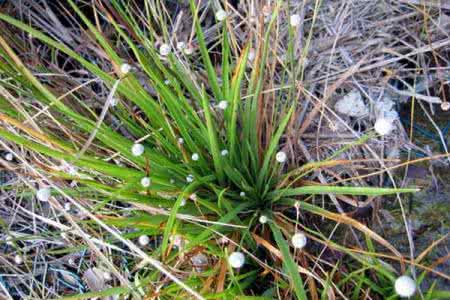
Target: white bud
x: 125, y: 68
x: 167, y: 82
x: 295, y: 20
x: 164, y: 50
x: 383, y: 126
x: 107, y: 276
x: 9, y: 240
x: 251, y: 54
x: 242, y: 194
x: 9, y: 156
x: 137, y: 149
x: 224, y: 152
x: 263, y: 219
x: 221, y: 15
x: 183, y: 202
x: 43, y: 194
x: 445, y: 106
x: 193, y: 197
x: 67, y: 206
x: 180, y: 141
x: 281, y: 157
x: 299, y: 240
x: 236, y: 259
x: 172, y: 181
x: 405, y: 286
x: 190, y: 178
x: 195, y: 156
x: 223, y: 105
x: 18, y: 259
x: 144, y: 240
x: 114, y: 101
x: 181, y: 46
x: 146, y: 181
x: 189, y: 50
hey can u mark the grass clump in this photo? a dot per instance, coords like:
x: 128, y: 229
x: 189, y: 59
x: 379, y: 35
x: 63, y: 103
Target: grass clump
x: 192, y: 153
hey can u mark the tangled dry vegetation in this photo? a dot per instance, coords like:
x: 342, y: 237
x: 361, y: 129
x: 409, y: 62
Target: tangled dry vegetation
x: 344, y: 66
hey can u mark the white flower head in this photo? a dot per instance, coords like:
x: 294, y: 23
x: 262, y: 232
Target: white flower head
x: 43, y: 194
x: 107, y: 276
x: 251, y: 54
x: 405, y: 286
x: 180, y: 141
x: 223, y: 104
x: 114, y: 101
x: 236, y: 259
x: 242, y: 194
x: 295, y: 20
x: 189, y: 50
x: 193, y: 197
x: 183, y: 202
x: 9, y: 240
x: 445, y: 106
x: 281, y: 157
x: 67, y: 206
x: 299, y: 240
x: 9, y: 156
x: 384, y: 126
x: 125, y: 69
x: 146, y: 181
x: 190, y: 178
x: 164, y: 50
x: 263, y: 219
x: 172, y: 181
x: 137, y: 149
x: 18, y: 259
x: 144, y: 240
x: 181, y: 46
x: 221, y: 15
x: 195, y: 156
x: 224, y: 152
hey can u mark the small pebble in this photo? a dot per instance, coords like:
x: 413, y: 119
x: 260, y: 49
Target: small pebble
x: 9, y: 156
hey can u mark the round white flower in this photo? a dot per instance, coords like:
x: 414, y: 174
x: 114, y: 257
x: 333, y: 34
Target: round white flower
x: 190, y: 178
x: 67, y: 206
x: 236, y: 259
x: 263, y: 219
x: 224, y: 152
x: 299, y: 240
x: 189, y: 50
x: 18, y: 259
x: 43, y: 194
x: 383, y: 126
x: 281, y: 157
x: 125, y: 68
x: 445, y: 106
x: 180, y: 141
x: 405, y: 286
x: 9, y: 156
x: 242, y: 194
x: 181, y: 46
x: 144, y: 240
x: 221, y: 15
x: 193, y: 197
x: 107, y: 276
x: 251, y: 54
x: 295, y: 20
x: 164, y: 50
x: 195, y: 156
x: 183, y: 202
x: 137, y: 149
x: 146, y: 181
x: 114, y: 101
x: 223, y: 105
